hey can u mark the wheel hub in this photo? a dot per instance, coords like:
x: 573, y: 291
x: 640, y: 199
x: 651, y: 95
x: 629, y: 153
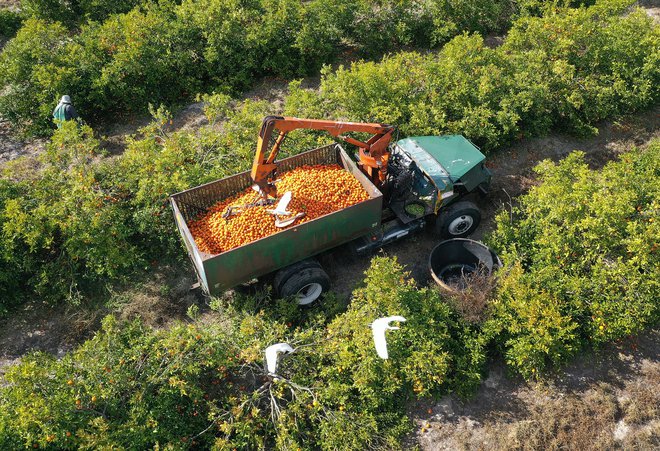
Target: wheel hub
x: 461, y: 225
x: 309, y: 293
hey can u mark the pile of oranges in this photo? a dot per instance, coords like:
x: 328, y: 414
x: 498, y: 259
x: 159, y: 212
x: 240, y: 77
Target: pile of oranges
x: 316, y: 191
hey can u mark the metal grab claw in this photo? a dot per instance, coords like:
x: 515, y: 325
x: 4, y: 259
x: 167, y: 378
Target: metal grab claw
x: 281, y: 223
x: 235, y: 209
x: 280, y: 210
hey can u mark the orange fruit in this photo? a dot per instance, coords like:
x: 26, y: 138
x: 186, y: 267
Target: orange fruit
x: 316, y: 191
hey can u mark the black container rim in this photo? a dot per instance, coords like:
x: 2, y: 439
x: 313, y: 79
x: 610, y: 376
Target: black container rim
x: 497, y: 263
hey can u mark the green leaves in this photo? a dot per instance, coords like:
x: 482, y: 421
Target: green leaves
x: 568, y: 69
x: 583, y: 256
x: 67, y: 232
x: 10, y: 22
x: 131, y: 386
x: 594, y: 61
x: 73, y: 13
x: 25, y: 63
x: 117, y: 57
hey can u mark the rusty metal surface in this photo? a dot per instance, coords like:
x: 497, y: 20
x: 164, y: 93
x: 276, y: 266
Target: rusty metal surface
x: 219, y: 272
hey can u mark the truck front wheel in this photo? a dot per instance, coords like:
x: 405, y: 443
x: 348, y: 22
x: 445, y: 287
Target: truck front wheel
x: 306, y: 283
x: 458, y: 221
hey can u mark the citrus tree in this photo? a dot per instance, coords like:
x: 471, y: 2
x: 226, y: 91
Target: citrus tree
x: 584, y: 252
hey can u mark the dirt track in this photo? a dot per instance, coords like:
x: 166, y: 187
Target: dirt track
x: 608, y: 399
x: 512, y: 175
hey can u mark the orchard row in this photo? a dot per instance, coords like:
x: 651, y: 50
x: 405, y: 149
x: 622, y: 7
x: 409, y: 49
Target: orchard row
x: 116, y: 57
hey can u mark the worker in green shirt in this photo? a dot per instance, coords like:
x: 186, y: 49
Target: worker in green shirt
x: 64, y: 111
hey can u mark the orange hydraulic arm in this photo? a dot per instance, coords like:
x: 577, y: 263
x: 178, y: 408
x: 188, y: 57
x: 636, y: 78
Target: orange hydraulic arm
x: 374, y: 153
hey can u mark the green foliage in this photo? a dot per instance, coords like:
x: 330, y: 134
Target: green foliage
x: 11, y: 275
x: 49, y: 10
x: 127, y: 387
x: 568, y: 69
x: 10, y: 22
x: 204, y: 385
x: 584, y: 248
x: 144, y: 56
x: 540, y: 7
x: 67, y: 232
x: 123, y: 55
x: 31, y: 71
x: 585, y: 65
x: 75, y: 12
x: 236, y: 41
x: 433, y: 352
x: 530, y: 325
x: 459, y: 91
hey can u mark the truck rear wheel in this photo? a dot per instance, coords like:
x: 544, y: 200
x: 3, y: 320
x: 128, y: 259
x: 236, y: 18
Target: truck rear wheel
x: 458, y: 221
x: 305, y: 280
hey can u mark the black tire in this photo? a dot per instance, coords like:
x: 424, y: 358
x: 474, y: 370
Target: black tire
x: 285, y: 273
x: 458, y: 220
x: 308, y: 284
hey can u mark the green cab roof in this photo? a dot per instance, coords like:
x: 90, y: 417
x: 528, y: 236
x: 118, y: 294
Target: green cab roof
x: 454, y: 153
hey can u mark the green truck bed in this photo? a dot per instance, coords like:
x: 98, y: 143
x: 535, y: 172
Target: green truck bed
x: 217, y: 273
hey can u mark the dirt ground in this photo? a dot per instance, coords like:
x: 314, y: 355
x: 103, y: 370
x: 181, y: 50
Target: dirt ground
x: 12, y: 147
x: 162, y: 299
x: 609, y: 399
x: 9, y: 4
x: 652, y: 8
x: 191, y: 116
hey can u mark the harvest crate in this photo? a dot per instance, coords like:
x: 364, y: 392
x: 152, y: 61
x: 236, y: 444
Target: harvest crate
x: 298, y: 242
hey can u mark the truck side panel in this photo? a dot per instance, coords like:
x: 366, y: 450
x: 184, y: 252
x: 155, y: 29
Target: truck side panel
x: 219, y: 272
x: 291, y: 245
x: 191, y: 247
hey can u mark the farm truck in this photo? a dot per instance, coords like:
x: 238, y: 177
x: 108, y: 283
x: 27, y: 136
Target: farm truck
x: 411, y: 183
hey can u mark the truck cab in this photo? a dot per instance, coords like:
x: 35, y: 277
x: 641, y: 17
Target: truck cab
x: 429, y: 178
x: 451, y: 164
x: 433, y: 172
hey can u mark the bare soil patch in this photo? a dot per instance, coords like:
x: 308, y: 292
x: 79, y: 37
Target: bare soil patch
x: 12, y: 147
x: 159, y: 300
x: 652, y: 8
x: 191, y: 116
x: 10, y: 4
x: 606, y: 399
x: 39, y: 327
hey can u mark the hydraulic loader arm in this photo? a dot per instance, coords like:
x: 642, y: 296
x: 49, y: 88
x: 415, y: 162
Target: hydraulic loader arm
x: 374, y: 153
